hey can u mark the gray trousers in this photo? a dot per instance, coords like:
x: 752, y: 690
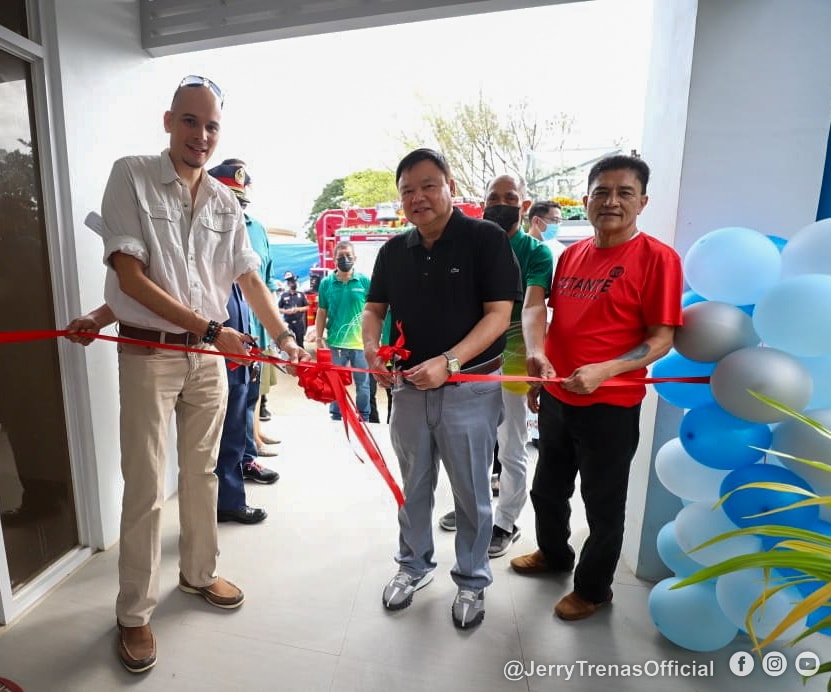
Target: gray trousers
x: 455, y: 423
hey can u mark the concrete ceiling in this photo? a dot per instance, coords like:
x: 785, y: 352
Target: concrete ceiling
x: 178, y: 26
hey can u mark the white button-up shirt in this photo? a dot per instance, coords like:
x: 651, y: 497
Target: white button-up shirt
x: 192, y: 252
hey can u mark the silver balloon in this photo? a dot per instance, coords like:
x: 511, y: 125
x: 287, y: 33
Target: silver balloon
x: 800, y: 440
x: 774, y: 373
x: 712, y: 330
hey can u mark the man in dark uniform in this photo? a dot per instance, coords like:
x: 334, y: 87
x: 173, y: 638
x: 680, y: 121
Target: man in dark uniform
x: 294, y: 307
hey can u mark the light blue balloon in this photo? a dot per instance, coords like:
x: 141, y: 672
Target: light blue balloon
x: 690, y: 616
x: 720, y: 440
x: 809, y: 250
x: 683, y: 395
x: 733, y: 265
x: 671, y: 553
x: 746, y: 502
x: 793, y: 315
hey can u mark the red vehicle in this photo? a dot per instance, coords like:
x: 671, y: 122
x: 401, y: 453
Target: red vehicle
x: 367, y: 229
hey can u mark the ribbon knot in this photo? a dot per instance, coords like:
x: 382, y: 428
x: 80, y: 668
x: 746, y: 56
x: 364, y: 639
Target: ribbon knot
x: 395, y: 352
x: 321, y: 383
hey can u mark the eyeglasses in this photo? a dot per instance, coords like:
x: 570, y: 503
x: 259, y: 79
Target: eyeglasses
x: 555, y: 220
x: 194, y: 80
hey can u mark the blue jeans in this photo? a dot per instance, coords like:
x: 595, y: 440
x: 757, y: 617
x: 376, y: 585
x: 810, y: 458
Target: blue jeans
x: 355, y: 358
x: 253, y: 396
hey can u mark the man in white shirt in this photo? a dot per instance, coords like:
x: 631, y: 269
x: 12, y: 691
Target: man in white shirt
x: 174, y: 242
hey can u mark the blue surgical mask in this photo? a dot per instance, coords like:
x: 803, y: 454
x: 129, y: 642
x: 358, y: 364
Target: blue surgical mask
x: 551, y: 231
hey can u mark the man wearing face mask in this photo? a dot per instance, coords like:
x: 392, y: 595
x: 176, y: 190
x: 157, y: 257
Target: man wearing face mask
x: 341, y: 299
x: 544, y: 219
x: 294, y: 306
x: 505, y: 203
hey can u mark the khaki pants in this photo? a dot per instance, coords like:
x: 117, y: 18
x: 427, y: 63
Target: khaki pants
x: 153, y: 385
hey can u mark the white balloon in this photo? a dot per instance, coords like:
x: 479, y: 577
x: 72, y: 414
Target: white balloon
x: 684, y: 476
x: 737, y: 591
x: 699, y: 522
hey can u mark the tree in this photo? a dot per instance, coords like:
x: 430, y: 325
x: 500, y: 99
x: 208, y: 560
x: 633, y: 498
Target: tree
x: 480, y: 143
x: 330, y: 198
x: 368, y: 188
x: 360, y: 189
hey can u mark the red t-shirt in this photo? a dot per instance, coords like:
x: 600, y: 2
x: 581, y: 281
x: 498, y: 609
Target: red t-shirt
x: 603, y: 300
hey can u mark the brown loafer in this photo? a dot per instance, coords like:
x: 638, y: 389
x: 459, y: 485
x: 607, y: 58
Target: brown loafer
x: 136, y: 648
x: 535, y: 563
x: 575, y: 607
x: 222, y: 593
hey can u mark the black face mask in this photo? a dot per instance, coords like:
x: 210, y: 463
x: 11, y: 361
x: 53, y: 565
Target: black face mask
x: 292, y: 285
x: 504, y: 215
x: 345, y: 264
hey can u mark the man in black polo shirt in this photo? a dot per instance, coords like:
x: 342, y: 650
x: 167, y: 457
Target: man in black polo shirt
x: 450, y: 284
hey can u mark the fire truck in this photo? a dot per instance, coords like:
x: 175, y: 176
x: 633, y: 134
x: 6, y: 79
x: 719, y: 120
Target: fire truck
x: 367, y: 229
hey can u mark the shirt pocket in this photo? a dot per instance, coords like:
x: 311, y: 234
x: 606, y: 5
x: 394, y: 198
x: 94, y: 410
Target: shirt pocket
x: 219, y: 219
x: 162, y: 216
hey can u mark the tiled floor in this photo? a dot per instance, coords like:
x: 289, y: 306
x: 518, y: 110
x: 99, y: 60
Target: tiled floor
x: 313, y: 620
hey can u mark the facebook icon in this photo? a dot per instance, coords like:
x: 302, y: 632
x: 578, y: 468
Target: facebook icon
x: 742, y: 663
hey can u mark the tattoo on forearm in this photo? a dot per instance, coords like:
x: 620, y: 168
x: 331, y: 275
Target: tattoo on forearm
x: 636, y: 353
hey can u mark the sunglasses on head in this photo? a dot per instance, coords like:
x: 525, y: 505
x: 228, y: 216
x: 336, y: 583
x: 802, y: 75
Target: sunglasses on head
x: 194, y: 80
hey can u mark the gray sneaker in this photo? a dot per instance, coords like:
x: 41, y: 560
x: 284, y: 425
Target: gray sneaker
x: 501, y: 540
x: 448, y: 521
x: 468, y: 608
x: 399, y: 592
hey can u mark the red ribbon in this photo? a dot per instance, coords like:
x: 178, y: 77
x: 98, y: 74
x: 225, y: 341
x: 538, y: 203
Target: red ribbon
x: 321, y: 381
x: 396, y: 351
x: 325, y: 382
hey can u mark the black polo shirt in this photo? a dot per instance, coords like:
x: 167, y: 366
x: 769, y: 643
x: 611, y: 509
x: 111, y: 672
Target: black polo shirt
x: 438, y: 295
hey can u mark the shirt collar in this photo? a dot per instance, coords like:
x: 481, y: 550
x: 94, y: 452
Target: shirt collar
x: 414, y: 238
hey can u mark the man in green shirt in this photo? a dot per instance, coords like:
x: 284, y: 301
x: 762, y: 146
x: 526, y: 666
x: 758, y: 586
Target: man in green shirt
x: 341, y: 299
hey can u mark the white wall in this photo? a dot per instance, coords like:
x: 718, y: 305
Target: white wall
x: 113, y: 98
x: 736, y: 135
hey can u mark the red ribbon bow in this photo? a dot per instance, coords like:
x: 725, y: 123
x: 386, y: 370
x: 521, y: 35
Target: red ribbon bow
x: 396, y: 351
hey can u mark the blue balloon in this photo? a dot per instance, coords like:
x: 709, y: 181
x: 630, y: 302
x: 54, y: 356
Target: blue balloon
x: 672, y: 554
x: 819, y: 615
x: 683, y: 395
x: 720, y: 440
x: 734, y: 265
x: 690, y: 298
x: 744, y: 503
x: 778, y: 241
x: 690, y: 616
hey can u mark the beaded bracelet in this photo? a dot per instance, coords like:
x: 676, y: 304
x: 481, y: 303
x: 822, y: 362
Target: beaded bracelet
x: 214, y: 328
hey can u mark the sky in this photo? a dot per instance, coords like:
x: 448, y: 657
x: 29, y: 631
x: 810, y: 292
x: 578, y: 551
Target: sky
x: 304, y: 111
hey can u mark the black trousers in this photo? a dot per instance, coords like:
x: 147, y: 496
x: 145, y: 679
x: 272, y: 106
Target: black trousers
x: 598, y: 442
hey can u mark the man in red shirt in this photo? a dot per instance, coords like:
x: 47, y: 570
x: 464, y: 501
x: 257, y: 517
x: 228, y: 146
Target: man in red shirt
x: 616, y: 300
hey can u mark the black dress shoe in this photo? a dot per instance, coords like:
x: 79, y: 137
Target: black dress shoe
x: 243, y: 515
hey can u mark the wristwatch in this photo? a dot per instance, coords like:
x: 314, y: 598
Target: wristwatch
x: 453, y: 364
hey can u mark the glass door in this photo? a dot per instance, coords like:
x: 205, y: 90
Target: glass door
x: 37, y: 508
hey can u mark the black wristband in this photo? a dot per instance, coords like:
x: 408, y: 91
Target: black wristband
x: 214, y: 328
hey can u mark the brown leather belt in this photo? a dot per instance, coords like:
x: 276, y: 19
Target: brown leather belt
x: 181, y: 338
x: 485, y: 368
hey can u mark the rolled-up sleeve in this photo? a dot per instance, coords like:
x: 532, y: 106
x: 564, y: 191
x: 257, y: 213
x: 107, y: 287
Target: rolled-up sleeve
x: 121, y: 228
x: 245, y: 258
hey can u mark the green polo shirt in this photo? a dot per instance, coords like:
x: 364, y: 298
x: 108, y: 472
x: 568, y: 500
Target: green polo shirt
x: 344, y: 305
x: 536, y: 266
